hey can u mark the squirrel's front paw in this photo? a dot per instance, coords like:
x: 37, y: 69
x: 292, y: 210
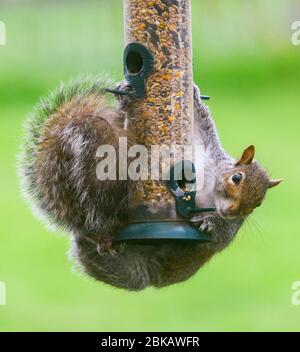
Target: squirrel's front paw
x: 207, y: 225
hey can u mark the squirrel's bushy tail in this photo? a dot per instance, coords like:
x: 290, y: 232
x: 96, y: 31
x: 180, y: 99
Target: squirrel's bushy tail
x: 58, y: 158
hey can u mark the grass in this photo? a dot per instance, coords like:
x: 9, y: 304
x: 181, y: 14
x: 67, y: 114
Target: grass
x: 255, y: 99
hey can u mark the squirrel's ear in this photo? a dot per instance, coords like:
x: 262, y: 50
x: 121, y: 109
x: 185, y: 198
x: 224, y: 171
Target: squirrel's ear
x: 274, y: 183
x: 247, y: 157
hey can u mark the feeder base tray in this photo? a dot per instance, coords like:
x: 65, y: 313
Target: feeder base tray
x: 154, y: 231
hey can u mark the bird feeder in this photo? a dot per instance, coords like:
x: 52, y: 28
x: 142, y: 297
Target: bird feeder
x: 159, y: 79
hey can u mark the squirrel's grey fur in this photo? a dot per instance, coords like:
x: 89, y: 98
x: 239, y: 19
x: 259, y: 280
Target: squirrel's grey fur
x: 58, y: 173
x: 216, y: 161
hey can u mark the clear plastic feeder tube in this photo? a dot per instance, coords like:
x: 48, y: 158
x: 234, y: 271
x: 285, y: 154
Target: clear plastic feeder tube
x: 164, y: 116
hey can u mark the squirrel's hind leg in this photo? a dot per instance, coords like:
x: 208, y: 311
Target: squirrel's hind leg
x: 126, y: 268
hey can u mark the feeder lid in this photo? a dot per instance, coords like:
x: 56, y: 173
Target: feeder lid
x: 161, y: 230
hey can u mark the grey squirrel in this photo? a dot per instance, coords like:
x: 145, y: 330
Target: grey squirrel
x: 58, y: 174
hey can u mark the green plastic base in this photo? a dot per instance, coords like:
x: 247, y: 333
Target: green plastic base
x: 161, y: 230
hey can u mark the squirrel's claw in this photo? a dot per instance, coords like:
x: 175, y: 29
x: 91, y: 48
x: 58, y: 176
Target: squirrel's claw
x: 106, y: 247
x: 207, y: 226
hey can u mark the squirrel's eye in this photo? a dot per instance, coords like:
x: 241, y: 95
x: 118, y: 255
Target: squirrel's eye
x: 237, y: 178
x: 258, y: 205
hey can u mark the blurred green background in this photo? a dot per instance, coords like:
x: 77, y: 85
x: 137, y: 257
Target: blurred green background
x: 244, y: 59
